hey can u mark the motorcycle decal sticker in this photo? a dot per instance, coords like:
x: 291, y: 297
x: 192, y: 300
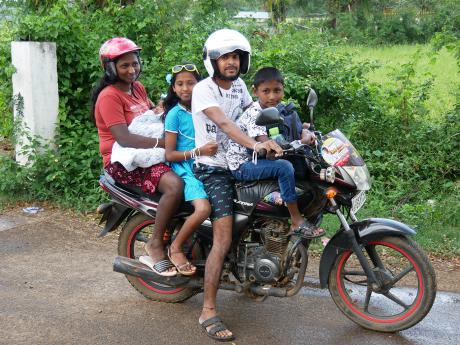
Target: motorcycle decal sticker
x: 335, y: 152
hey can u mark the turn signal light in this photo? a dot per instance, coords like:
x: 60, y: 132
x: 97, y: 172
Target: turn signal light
x: 331, y: 192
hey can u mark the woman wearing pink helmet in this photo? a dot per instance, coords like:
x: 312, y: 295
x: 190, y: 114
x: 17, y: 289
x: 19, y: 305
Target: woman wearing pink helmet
x: 116, y: 100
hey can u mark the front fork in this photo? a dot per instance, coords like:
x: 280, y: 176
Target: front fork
x: 357, y: 248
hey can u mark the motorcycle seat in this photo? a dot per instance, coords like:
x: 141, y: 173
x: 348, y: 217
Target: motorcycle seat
x: 185, y: 208
x: 249, y: 193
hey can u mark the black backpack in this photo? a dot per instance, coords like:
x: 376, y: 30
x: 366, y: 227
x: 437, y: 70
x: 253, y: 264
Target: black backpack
x: 291, y: 129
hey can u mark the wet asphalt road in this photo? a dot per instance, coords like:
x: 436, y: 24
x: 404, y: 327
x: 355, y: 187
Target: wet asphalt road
x: 57, y: 287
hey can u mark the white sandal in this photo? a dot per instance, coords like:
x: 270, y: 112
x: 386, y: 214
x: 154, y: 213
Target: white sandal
x: 161, y: 267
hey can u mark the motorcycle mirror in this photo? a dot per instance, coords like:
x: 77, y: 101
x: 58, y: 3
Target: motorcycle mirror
x: 312, y: 99
x: 269, y: 116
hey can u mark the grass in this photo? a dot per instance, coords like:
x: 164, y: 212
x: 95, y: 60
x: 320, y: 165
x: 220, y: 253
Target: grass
x: 442, y: 66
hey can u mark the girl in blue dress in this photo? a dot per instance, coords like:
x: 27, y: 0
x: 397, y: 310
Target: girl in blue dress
x: 180, y: 150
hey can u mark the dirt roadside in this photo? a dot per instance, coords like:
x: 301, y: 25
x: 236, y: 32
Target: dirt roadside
x: 447, y: 270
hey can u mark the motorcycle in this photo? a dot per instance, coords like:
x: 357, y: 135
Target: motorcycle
x: 376, y: 274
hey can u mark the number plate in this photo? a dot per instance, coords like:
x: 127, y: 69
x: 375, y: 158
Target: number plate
x: 358, y: 201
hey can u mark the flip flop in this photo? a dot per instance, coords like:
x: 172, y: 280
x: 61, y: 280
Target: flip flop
x: 308, y: 231
x: 160, y: 268
x: 181, y: 268
x: 219, y: 326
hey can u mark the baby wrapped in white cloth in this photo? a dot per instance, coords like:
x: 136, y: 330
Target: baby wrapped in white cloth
x: 149, y: 125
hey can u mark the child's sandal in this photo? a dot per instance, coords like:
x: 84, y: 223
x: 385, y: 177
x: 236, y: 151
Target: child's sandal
x: 308, y: 231
x: 186, y: 269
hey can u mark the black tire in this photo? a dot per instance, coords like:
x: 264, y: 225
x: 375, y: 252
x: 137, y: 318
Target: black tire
x: 399, y: 257
x: 131, y: 244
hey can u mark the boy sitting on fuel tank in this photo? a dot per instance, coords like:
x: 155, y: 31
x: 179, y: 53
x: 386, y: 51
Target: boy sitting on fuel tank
x: 268, y: 87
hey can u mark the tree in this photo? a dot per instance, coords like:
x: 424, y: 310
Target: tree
x: 278, y: 11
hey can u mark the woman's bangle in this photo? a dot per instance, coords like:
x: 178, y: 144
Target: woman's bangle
x: 156, y: 144
x: 199, y: 153
x: 185, y: 157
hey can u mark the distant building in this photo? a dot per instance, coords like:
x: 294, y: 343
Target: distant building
x: 258, y: 16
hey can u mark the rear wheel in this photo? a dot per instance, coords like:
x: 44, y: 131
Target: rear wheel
x: 133, y: 236
x: 408, y: 285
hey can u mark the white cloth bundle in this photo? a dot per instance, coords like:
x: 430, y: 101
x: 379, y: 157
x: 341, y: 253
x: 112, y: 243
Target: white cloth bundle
x: 149, y: 125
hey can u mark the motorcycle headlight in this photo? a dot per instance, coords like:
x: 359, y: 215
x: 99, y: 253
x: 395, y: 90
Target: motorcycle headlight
x: 359, y: 175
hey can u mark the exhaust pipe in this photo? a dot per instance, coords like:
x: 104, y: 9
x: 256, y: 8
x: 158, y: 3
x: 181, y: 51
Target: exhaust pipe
x: 134, y: 268
x: 270, y: 291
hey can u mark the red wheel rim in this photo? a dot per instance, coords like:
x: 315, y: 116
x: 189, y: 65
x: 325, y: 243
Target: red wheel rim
x: 129, y: 254
x: 398, y: 317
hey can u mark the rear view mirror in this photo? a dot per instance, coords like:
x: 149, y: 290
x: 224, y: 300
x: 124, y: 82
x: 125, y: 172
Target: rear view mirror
x: 268, y: 117
x: 312, y: 99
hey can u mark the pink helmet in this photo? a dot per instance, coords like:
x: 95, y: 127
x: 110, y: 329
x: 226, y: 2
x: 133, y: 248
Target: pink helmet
x: 115, y: 47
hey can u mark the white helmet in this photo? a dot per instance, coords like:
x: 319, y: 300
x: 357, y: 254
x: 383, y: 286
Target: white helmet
x: 225, y: 41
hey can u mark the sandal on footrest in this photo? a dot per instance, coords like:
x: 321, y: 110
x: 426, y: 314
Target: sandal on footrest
x: 218, y: 327
x: 186, y: 269
x: 308, y: 231
x: 161, y: 267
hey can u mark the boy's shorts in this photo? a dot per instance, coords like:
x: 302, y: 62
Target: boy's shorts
x: 218, y: 184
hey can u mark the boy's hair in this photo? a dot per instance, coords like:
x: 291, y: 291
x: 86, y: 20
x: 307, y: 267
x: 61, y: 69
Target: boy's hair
x: 267, y: 74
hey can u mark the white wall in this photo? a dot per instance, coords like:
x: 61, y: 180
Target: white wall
x: 36, y: 81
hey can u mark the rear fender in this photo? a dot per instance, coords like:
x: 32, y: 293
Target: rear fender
x: 113, y: 215
x: 367, y: 230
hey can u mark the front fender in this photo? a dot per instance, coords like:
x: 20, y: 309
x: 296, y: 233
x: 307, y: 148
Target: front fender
x: 366, y: 230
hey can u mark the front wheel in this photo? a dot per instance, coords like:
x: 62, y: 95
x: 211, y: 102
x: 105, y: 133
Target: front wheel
x: 408, y: 285
x: 133, y: 236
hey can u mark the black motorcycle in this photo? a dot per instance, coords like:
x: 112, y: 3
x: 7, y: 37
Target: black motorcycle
x: 376, y: 274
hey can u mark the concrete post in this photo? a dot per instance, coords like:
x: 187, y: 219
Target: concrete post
x: 35, y: 81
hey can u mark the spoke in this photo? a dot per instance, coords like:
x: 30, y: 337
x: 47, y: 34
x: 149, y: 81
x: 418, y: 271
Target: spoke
x: 356, y: 282
x: 368, y: 299
x: 353, y: 273
x: 401, y: 275
x: 395, y: 299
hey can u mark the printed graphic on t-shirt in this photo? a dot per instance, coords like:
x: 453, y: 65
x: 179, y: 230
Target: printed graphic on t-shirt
x: 207, y: 94
x: 237, y: 154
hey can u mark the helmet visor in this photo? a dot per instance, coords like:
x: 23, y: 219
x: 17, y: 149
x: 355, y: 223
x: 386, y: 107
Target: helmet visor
x: 217, y: 53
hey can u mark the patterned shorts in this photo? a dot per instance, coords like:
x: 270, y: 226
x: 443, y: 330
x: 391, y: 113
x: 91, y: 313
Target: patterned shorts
x: 218, y: 184
x: 147, y: 179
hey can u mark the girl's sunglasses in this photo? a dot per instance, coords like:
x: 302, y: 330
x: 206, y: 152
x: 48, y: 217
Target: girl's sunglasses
x: 187, y: 67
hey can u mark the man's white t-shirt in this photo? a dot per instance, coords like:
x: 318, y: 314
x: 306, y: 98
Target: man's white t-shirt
x: 207, y: 94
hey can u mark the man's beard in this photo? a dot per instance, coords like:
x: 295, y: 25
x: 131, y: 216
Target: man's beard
x: 219, y: 75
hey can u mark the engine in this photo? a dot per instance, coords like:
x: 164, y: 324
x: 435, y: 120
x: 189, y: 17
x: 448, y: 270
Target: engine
x: 262, y: 261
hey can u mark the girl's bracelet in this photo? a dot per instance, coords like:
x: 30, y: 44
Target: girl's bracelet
x: 254, y: 152
x: 156, y: 144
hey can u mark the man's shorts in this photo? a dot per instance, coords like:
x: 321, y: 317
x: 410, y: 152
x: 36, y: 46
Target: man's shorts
x: 218, y: 184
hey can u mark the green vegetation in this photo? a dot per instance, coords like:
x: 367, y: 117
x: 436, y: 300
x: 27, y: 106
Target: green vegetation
x: 409, y: 141
x: 442, y: 67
